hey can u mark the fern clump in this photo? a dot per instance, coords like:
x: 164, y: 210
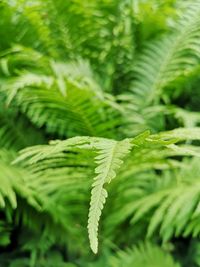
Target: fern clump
x: 99, y: 133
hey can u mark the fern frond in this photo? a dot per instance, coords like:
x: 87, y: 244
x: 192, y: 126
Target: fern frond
x: 53, y: 28
x: 13, y: 183
x: 45, y: 161
x: 173, y: 204
x: 180, y: 134
x: 136, y: 174
x: 163, y: 61
x: 111, y: 154
x: 26, y: 80
x: 37, y: 196
x: 188, y: 118
x: 147, y: 254
x: 68, y: 102
x: 110, y: 158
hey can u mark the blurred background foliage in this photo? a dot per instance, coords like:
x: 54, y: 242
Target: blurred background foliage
x: 109, y: 69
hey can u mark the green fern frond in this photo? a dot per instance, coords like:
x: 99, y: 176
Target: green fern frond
x: 110, y: 158
x: 136, y: 174
x: 147, y: 254
x: 173, y: 204
x: 42, y: 160
x: 186, y: 117
x: 180, y: 134
x: 53, y: 28
x: 68, y: 102
x: 163, y: 61
x: 25, y: 80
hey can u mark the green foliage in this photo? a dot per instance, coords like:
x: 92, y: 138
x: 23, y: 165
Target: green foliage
x: 163, y: 61
x: 144, y: 255
x: 99, y: 133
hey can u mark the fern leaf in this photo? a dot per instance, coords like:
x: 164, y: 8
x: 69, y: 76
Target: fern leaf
x: 164, y: 60
x: 109, y: 160
x: 14, y: 181
x: 146, y: 254
x: 172, y: 204
x: 67, y: 100
x: 182, y: 134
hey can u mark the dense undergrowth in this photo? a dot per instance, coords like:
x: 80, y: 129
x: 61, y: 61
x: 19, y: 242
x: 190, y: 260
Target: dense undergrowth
x: 99, y: 136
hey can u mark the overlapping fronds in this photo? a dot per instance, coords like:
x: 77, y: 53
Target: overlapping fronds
x: 174, y: 208
x: 13, y: 182
x: 164, y: 61
x: 68, y: 102
x: 53, y: 28
x: 119, y: 80
x: 109, y: 159
x: 165, y: 67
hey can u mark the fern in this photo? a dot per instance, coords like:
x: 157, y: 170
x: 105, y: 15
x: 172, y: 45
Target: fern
x: 75, y: 105
x: 13, y: 183
x: 109, y: 150
x: 110, y: 158
x: 117, y: 82
x: 164, y: 68
x: 147, y: 255
x: 163, y: 61
x: 172, y: 215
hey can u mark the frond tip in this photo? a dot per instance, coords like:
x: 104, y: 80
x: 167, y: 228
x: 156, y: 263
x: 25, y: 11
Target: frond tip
x: 109, y: 159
